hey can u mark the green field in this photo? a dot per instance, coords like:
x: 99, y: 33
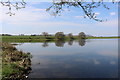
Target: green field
x: 43, y: 38
x: 102, y: 37
x: 31, y: 38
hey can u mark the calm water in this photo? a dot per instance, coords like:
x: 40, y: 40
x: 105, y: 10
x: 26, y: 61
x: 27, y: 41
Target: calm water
x: 90, y: 59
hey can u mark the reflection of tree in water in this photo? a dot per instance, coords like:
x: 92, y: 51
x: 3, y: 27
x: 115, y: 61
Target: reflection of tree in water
x: 59, y: 43
x: 45, y: 44
x: 81, y: 42
x: 70, y: 42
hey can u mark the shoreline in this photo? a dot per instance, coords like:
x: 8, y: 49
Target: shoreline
x: 43, y: 39
x: 15, y: 64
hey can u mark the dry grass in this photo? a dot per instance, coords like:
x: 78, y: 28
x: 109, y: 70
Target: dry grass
x: 15, y: 64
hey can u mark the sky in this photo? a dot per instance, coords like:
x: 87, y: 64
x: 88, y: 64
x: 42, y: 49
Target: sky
x: 33, y: 19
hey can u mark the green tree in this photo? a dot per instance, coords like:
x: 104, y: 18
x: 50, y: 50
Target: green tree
x: 45, y: 34
x: 70, y: 35
x: 59, y: 36
x: 82, y: 35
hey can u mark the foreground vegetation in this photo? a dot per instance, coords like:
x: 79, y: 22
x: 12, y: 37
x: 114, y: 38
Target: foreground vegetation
x: 15, y: 64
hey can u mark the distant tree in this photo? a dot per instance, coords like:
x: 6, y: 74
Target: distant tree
x: 89, y: 36
x: 6, y: 35
x: 33, y: 34
x: 59, y: 35
x: 21, y: 34
x: 70, y: 35
x: 45, y: 34
x: 82, y: 35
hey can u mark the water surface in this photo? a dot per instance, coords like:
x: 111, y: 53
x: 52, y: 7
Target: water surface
x: 73, y: 59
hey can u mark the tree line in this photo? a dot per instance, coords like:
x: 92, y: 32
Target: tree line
x: 58, y: 35
x: 61, y: 35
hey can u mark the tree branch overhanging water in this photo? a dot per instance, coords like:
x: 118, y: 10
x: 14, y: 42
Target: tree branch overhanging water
x: 57, y: 7
x: 13, y: 4
x: 87, y: 7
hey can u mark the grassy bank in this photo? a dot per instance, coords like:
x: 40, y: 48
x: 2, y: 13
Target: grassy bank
x: 102, y: 37
x: 15, y: 64
x: 43, y: 38
x: 31, y: 38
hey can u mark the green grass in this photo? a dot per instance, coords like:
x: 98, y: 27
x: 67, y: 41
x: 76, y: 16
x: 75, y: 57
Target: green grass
x: 26, y: 37
x: 30, y: 38
x: 102, y: 37
x: 15, y: 64
x: 42, y: 38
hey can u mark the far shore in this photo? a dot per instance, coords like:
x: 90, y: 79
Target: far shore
x: 44, y: 39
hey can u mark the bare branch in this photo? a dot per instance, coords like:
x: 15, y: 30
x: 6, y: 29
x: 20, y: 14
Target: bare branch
x: 13, y: 4
x: 87, y: 7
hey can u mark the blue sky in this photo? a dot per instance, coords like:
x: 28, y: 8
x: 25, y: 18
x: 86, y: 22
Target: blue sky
x: 34, y: 20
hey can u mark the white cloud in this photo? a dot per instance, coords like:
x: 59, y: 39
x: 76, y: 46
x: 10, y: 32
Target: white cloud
x: 34, y: 3
x: 63, y: 23
x: 109, y: 23
x: 29, y: 14
x: 48, y: 24
x: 79, y: 16
x: 97, y: 13
x: 31, y: 18
x: 112, y: 13
x: 36, y: 17
x: 39, y: 9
